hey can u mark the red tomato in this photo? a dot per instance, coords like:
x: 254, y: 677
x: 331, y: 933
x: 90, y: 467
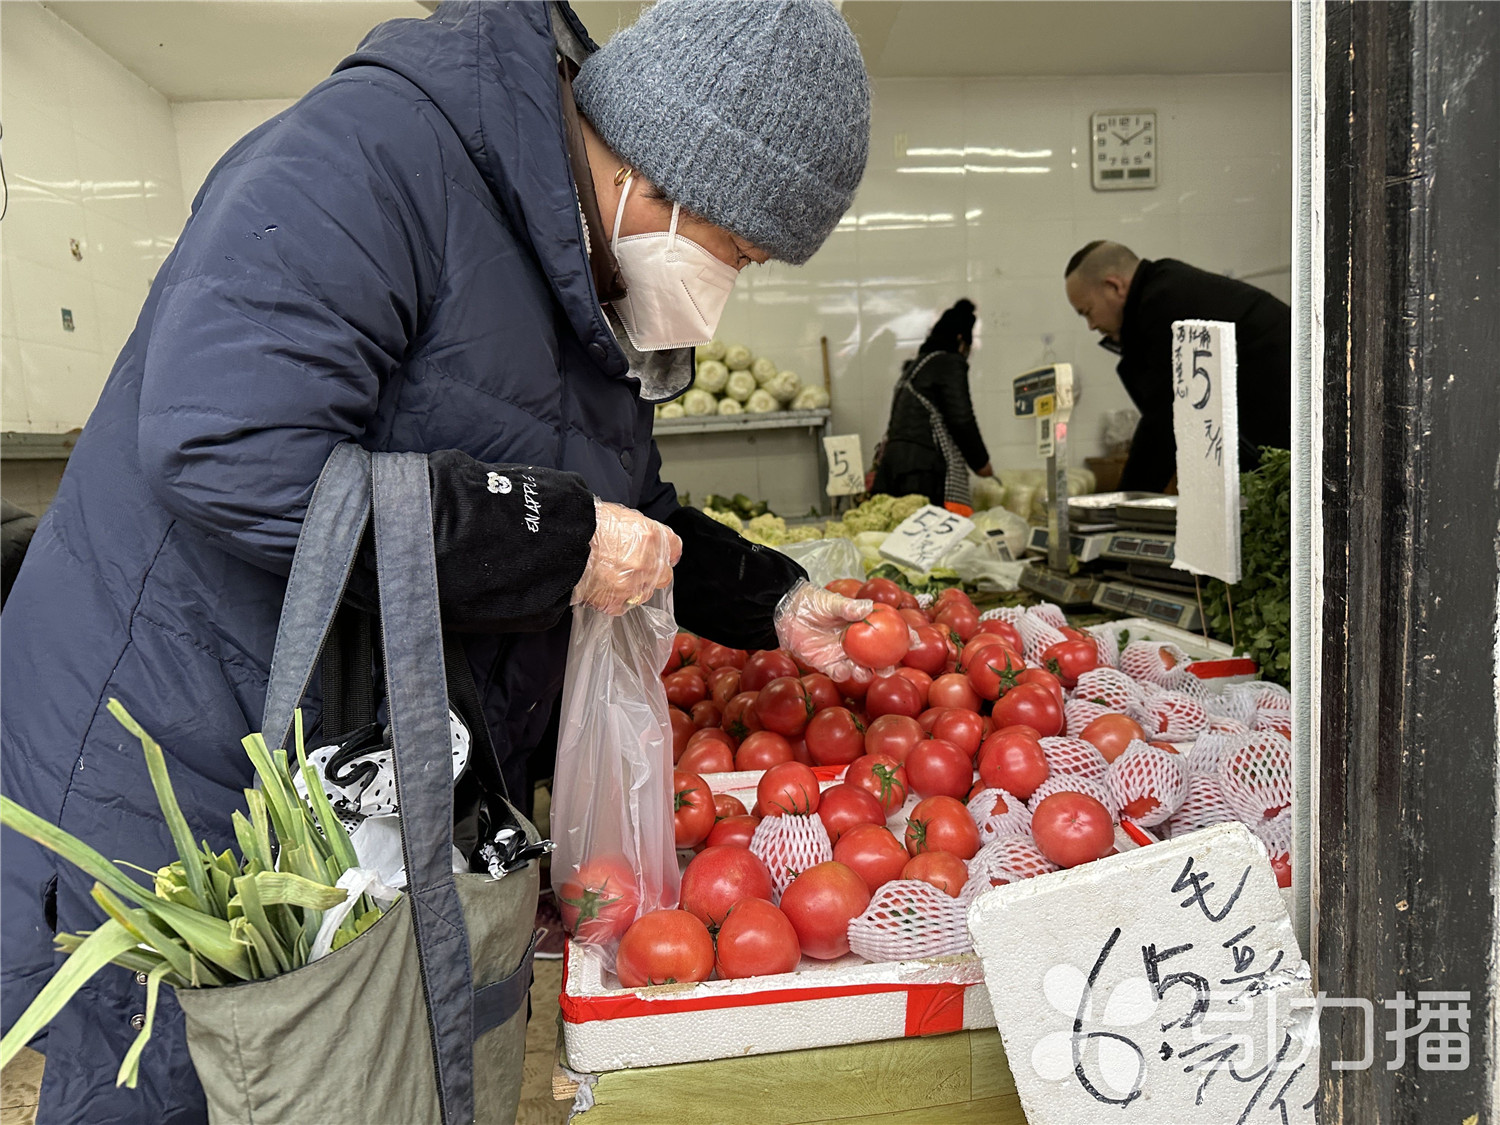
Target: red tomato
x: 893, y: 735
x: 936, y: 767
x: 726, y: 805
x: 952, y: 594
x: 1282, y: 866
x: 717, y: 878
x: 962, y: 619
x: 1072, y: 828
x: 712, y: 657
x: 707, y: 755
x: 692, y: 808
x: 784, y: 706
x: 953, y: 690
x: 995, y: 671
x: 908, y: 601
x: 881, y: 590
x: 685, y: 688
x: 835, y: 737
x: 674, y: 662
x: 943, y: 870
x: 1112, y: 734
x: 820, y: 904
x: 665, y: 947
x: 930, y: 653
x: 682, y: 727
x: 599, y: 901
x: 882, y: 777
x: 1033, y: 705
x: 928, y: 718
x: 872, y: 853
x: 942, y: 824
x: 1013, y: 761
x: 765, y: 666
x: 740, y: 718
x: 724, y: 685
x: 762, y: 750
x: 880, y: 640
x: 788, y: 788
x: 921, y: 680
x: 1005, y: 631
x: 821, y: 690
x: 893, y: 695
x: 975, y: 644
x: 1170, y: 749
x: 845, y: 806
x: 733, y: 831
x: 756, y: 940
x: 849, y: 689
x: 1067, y: 660
x: 847, y: 587
x: 1046, y: 679
x: 965, y: 729
x: 799, y: 752
x: 686, y: 646
x: 706, y: 714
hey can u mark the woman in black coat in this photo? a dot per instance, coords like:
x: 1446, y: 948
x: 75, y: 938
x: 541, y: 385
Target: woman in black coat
x: 933, y: 440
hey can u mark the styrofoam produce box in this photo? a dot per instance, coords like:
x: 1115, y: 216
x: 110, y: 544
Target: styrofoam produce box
x: 1214, y: 662
x: 820, y: 1004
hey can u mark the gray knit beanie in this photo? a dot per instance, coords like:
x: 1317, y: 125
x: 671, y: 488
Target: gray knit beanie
x: 754, y: 114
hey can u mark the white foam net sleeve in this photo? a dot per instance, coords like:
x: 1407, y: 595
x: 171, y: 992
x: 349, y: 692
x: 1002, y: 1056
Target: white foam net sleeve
x: 1107, y: 687
x: 1272, y: 719
x: 1142, y: 661
x: 1276, y: 833
x: 1147, y: 773
x: 1109, y: 644
x: 1235, y: 701
x: 1010, y: 614
x: 788, y: 846
x: 1209, y: 751
x: 908, y: 919
x: 1174, y: 717
x: 1182, y: 678
x: 998, y: 813
x: 1073, y: 783
x: 1075, y: 757
x: 1219, y: 724
x: 1255, y: 775
x: 1271, y: 696
x: 1203, y: 806
x: 1051, y: 614
x: 1007, y: 860
x: 1079, y: 713
x: 1037, y: 636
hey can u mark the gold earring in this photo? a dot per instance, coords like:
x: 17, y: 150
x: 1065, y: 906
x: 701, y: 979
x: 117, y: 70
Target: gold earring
x: 623, y: 174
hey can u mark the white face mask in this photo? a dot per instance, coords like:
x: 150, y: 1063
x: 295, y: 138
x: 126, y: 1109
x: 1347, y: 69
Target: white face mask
x: 676, y: 290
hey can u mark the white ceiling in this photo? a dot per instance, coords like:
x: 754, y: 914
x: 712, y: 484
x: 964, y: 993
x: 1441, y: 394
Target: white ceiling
x: 211, y: 49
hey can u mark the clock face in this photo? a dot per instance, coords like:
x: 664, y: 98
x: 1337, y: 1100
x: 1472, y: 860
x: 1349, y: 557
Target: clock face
x: 1122, y: 146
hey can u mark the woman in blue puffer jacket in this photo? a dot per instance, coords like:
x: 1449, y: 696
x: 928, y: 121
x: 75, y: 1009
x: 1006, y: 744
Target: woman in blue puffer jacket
x: 463, y: 244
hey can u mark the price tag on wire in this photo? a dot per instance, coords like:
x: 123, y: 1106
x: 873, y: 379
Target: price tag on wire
x: 1205, y: 422
x: 925, y: 536
x: 846, y: 465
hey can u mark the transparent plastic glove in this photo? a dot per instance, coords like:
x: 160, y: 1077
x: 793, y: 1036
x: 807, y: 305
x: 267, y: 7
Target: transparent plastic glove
x: 810, y: 623
x: 630, y: 558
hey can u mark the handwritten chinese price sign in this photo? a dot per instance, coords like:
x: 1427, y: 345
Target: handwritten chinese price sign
x: 1205, y: 421
x: 1163, y: 985
x: 846, y: 465
x: 925, y: 536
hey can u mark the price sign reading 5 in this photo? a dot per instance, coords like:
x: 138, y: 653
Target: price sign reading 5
x: 846, y: 472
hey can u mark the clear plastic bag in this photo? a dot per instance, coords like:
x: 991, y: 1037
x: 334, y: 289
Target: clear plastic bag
x: 826, y: 559
x: 612, y: 797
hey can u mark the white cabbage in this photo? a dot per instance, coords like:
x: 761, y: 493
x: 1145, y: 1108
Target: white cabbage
x: 764, y: 369
x: 810, y: 398
x: 730, y: 406
x: 740, y: 385
x: 673, y: 410
x: 762, y: 402
x: 714, y: 349
x: 737, y: 357
x: 785, y: 385
x: 698, y: 401
x: 712, y: 376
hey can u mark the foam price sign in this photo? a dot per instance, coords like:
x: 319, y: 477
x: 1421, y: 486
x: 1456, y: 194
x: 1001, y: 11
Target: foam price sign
x: 1186, y: 1001
x: 925, y: 536
x: 846, y: 472
x: 1205, y: 421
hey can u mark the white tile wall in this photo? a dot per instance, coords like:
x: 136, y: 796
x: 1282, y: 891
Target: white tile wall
x: 1001, y: 232
x: 90, y: 154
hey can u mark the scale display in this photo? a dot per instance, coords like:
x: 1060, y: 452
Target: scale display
x: 1136, y: 601
x: 1134, y: 546
x: 1061, y: 589
x: 1086, y: 548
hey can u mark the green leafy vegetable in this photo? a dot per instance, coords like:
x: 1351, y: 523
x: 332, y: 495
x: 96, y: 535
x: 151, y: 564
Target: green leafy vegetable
x: 1261, y: 627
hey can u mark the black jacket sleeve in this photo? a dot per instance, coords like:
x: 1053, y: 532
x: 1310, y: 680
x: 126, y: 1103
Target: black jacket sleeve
x: 727, y: 588
x: 511, y: 541
x: 950, y: 394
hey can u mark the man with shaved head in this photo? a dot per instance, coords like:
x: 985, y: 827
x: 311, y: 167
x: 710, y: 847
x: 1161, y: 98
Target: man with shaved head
x: 1131, y: 302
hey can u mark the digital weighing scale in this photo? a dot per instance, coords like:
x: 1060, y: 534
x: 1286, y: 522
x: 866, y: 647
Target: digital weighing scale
x: 1170, y: 607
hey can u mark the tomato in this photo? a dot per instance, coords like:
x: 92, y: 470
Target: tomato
x: 965, y: 729
x: 717, y: 878
x: 740, y: 718
x: 908, y: 601
x: 784, y: 706
x: 873, y: 853
x: 881, y: 590
x: 846, y: 587
x: 674, y: 662
x: 962, y: 619
x: 1046, y: 679
x: 1033, y: 705
x: 994, y: 671
x: 756, y: 940
x: 665, y: 947
x: 845, y: 806
x: 936, y: 767
x: 820, y: 903
x: 1068, y: 660
x: 599, y: 901
x: 943, y: 870
x: 706, y: 714
x: 915, y: 618
x: 882, y: 777
x: 975, y: 644
x: 682, y: 727
x: 930, y: 651
x: 1282, y: 866
x: 707, y: 755
x: 850, y: 689
x: 712, y: 657
x: 1013, y: 761
x: 692, y: 808
x: 685, y: 688
x: 1072, y: 828
x: 822, y: 691
x: 894, y: 735
x: 762, y: 750
x: 788, y: 788
x: 733, y: 831
x: 942, y: 824
x: 950, y: 595
x: 723, y: 685
x: 880, y: 640
x: 765, y: 666
x: 799, y: 752
x: 835, y: 737
x: 921, y: 680
x: 726, y: 805
x: 1112, y: 734
x: 1005, y: 631
x: 1170, y: 749
x: 953, y: 690
x: 893, y: 695
x: 928, y: 718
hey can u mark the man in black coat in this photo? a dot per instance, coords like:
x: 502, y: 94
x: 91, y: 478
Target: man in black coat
x: 1132, y: 303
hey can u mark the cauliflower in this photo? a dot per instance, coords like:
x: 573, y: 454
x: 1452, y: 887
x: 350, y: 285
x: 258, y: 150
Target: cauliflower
x: 836, y: 529
x: 714, y: 349
x: 762, y: 402
x: 698, y: 401
x: 905, y: 508
x: 764, y: 370
x: 712, y: 375
x: 730, y: 406
x: 810, y: 398
x: 862, y: 519
x: 737, y: 357
x: 673, y: 410
x: 728, y: 519
x: 740, y: 385
x: 785, y: 385
x: 767, y: 529
x: 803, y: 533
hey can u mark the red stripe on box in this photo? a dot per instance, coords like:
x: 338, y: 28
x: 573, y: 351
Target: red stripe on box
x: 1135, y: 832
x: 1217, y: 669
x: 934, y: 1009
